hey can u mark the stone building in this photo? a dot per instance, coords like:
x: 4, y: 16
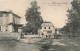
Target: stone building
x: 7, y: 20
x: 47, y: 29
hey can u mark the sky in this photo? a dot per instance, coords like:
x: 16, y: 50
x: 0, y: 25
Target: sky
x: 51, y: 10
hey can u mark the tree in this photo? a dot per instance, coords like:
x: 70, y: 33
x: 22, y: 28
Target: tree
x: 33, y: 17
x: 15, y: 26
x: 65, y: 30
x: 74, y: 17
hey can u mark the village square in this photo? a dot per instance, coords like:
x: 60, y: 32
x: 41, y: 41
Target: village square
x: 39, y: 33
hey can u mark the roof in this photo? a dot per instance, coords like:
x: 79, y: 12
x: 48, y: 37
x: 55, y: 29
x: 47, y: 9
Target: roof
x: 16, y: 15
x: 4, y: 12
x: 47, y: 24
x: 9, y: 12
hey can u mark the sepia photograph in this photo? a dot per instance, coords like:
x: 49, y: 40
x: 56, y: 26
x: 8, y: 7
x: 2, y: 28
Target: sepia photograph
x: 39, y: 25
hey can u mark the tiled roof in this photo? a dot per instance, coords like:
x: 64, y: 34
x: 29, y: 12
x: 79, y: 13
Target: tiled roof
x: 47, y: 24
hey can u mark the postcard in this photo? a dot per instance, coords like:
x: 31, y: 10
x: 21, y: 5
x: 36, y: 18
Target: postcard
x: 39, y: 25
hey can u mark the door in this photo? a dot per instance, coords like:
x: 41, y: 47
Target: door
x: 6, y: 28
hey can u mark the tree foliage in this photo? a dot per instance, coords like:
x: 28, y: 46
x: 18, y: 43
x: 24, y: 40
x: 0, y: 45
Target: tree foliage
x: 33, y: 17
x: 73, y: 24
x: 15, y: 27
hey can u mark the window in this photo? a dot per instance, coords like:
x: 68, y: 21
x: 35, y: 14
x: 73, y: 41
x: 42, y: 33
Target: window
x: 44, y: 27
x: 49, y: 27
x: 49, y: 31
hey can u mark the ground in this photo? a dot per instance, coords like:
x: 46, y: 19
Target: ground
x: 65, y: 44
x: 8, y: 43
x: 13, y: 45
x: 61, y: 44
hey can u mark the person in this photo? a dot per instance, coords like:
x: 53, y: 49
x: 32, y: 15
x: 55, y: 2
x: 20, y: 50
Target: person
x: 42, y: 34
x: 49, y: 36
x: 22, y: 35
x: 46, y: 36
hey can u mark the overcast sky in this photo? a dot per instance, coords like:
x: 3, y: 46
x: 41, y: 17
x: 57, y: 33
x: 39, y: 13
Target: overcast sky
x: 51, y: 10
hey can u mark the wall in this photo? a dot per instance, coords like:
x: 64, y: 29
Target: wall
x: 10, y: 18
x: 4, y: 21
x: 1, y: 20
x: 45, y: 31
x: 10, y: 28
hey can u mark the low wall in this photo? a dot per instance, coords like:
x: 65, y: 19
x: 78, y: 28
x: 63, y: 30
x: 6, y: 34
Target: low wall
x: 8, y: 34
x: 31, y: 36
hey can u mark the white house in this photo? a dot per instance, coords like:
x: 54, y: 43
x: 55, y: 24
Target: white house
x: 7, y: 18
x: 47, y: 29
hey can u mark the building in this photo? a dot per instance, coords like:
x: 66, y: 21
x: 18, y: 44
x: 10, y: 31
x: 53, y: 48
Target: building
x: 47, y: 29
x: 9, y: 20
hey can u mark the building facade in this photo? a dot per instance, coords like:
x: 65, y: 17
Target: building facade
x: 47, y: 29
x: 7, y: 19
